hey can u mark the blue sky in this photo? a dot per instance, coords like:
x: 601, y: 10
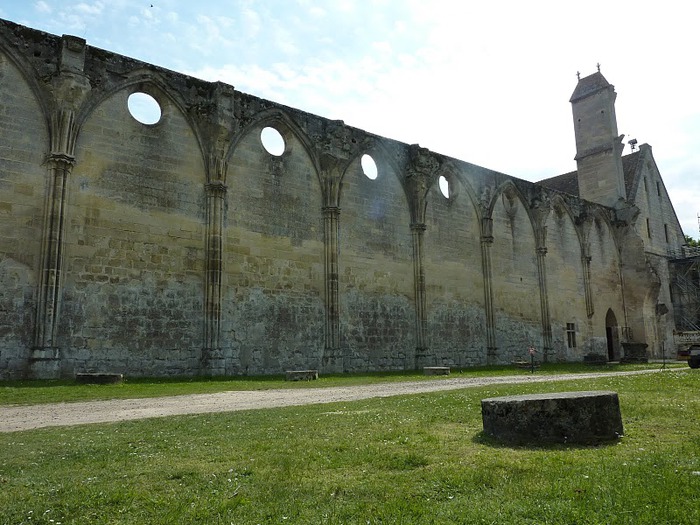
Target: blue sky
x: 485, y: 82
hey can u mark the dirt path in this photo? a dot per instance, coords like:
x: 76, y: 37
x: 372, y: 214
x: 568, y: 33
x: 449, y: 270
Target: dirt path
x: 16, y: 418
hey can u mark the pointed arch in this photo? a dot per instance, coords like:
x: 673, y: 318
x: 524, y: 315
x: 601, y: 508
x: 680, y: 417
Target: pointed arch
x: 455, y: 301
x: 273, y: 277
x: 145, y: 185
x: 606, y: 283
x: 152, y: 83
x: 567, y: 283
x: 558, y: 202
x: 509, y: 190
x: 453, y: 172
x: 612, y: 336
x: 377, y: 309
x: 285, y: 125
x: 29, y: 75
x: 24, y: 121
x: 379, y: 150
x: 515, y: 274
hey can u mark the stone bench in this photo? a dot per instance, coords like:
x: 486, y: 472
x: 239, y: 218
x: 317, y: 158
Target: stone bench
x: 595, y: 359
x: 567, y: 417
x: 436, y: 370
x: 301, y: 375
x: 526, y: 365
x: 100, y: 378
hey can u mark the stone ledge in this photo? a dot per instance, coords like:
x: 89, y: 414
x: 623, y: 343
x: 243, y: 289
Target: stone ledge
x: 301, y: 375
x: 586, y: 417
x: 595, y: 359
x: 104, y: 378
x: 436, y: 370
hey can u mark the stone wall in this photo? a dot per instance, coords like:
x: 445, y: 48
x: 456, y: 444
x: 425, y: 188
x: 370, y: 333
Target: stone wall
x: 184, y: 247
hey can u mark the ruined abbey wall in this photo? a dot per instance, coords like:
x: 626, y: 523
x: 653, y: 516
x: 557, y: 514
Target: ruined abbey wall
x: 184, y: 247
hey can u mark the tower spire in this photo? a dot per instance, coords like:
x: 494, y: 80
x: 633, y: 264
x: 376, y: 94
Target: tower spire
x: 598, y: 144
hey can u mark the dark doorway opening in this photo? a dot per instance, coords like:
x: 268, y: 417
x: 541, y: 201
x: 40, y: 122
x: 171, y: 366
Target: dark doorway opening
x: 612, y: 336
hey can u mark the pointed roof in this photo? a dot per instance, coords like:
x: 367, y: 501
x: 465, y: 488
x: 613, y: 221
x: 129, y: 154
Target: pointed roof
x: 589, y: 85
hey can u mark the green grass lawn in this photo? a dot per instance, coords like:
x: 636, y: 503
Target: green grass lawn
x: 34, y: 392
x: 416, y: 459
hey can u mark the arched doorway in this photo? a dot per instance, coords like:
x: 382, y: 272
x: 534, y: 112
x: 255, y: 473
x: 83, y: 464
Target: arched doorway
x: 612, y: 335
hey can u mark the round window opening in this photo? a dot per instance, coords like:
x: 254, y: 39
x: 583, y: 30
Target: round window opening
x: 444, y: 186
x: 144, y: 108
x: 369, y: 167
x: 272, y: 141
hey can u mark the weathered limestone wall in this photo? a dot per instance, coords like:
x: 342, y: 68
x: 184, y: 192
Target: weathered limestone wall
x: 657, y: 223
x: 22, y: 187
x: 184, y: 247
x: 565, y: 281
x: 134, y: 255
x: 273, y: 281
x: 377, y: 310
x: 454, y: 278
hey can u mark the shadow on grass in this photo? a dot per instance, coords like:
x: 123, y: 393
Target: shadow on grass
x: 481, y: 438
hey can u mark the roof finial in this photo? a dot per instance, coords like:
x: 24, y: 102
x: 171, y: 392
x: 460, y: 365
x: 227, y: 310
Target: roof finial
x: 578, y: 75
x: 598, y: 66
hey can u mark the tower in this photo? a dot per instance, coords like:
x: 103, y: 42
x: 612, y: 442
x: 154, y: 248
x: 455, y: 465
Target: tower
x: 598, y: 145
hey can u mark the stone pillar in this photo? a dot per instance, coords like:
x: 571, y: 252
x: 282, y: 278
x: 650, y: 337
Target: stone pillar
x: 586, y: 265
x: 44, y: 361
x: 422, y: 350
x: 68, y: 86
x: 422, y: 169
x: 45, y: 357
x: 486, y: 243
x: 213, y: 362
x: 544, y: 296
x: 332, y: 355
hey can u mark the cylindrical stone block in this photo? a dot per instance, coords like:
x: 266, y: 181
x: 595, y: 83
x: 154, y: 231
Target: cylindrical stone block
x: 566, y: 417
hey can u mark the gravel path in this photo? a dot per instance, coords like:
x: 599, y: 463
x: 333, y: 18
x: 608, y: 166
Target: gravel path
x: 15, y: 418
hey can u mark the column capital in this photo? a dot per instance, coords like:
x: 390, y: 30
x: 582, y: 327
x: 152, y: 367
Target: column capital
x: 61, y: 158
x: 216, y: 188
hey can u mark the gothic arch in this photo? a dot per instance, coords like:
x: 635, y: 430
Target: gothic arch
x: 452, y: 172
x: 29, y: 74
x: 385, y: 164
x: 152, y: 84
x: 601, y: 216
x: 511, y: 196
x: 559, y: 203
x: 454, y: 275
x: 515, y: 274
x: 285, y: 125
x: 612, y: 336
x: 568, y: 272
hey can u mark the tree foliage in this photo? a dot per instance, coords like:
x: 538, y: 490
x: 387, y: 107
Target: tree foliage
x: 694, y: 243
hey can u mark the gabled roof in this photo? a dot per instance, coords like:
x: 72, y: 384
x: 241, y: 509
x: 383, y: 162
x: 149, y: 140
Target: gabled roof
x: 568, y: 182
x: 629, y: 169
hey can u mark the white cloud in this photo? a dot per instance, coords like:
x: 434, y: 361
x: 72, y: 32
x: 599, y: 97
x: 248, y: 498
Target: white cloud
x: 251, y: 22
x: 90, y: 9
x: 486, y: 82
x: 43, y: 7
